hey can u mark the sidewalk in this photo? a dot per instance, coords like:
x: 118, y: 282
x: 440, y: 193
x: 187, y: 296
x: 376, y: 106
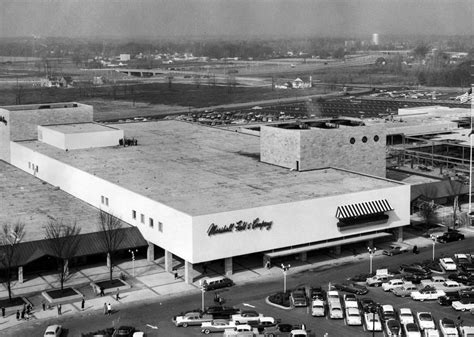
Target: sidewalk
x: 150, y: 282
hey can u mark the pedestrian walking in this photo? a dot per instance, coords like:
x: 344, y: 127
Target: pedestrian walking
x: 43, y: 305
x: 105, y: 308
x: 23, y: 314
x: 415, y: 249
x: 102, y: 291
x: 60, y: 309
x: 3, y: 311
x: 109, y: 309
x: 83, y: 302
x: 117, y: 296
x: 17, y: 315
x: 176, y: 275
x: 29, y: 307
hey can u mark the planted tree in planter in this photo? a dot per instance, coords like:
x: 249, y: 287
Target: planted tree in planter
x: 111, y: 236
x: 63, y: 241
x: 10, y: 237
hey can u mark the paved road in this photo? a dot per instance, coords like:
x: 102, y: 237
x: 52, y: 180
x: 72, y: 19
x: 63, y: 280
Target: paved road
x: 160, y: 314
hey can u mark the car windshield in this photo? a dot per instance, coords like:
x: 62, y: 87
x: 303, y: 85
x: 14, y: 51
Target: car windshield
x: 425, y: 317
x: 411, y: 327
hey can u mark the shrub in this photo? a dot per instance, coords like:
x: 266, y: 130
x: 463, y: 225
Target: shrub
x: 281, y: 298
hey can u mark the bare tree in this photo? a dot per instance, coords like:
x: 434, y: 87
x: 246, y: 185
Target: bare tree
x: 10, y: 237
x: 428, y: 211
x: 63, y: 241
x: 111, y: 236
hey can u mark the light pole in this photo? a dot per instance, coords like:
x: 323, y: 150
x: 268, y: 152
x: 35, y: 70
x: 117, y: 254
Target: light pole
x: 285, y: 268
x: 371, y: 256
x: 434, y: 237
x: 133, y: 251
x: 203, y: 284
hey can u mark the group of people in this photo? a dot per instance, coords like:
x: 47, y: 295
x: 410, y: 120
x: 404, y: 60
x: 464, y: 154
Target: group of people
x: 107, y: 309
x: 24, y: 314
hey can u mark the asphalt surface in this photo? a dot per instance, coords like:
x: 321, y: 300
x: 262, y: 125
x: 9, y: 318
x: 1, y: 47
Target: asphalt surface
x: 252, y: 296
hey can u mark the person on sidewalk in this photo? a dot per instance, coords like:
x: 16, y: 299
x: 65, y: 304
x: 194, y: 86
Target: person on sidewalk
x: 109, y: 309
x: 3, y: 312
x: 102, y: 291
x: 83, y: 303
x: 43, y: 305
x: 105, y: 308
x: 176, y: 276
x: 23, y: 312
x: 117, y: 296
x: 18, y: 315
x: 59, y: 309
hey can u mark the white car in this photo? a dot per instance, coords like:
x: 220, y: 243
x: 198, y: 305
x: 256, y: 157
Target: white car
x: 353, y: 316
x: 217, y: 325
x: 405, y: 315
x: 448, y: 264
x: 393, y: 283
x: 53, y: 331
x: 411, y: 330
x: 431, y: 333
x: 405, y: 290
x: 427, y: 294
x: 448, y: 328
x: 463, y: 305
x: 425, y: 320
x: 372, y: 322
x: 318, y: 309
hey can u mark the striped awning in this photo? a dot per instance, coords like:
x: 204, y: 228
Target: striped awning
x: 363, y: 208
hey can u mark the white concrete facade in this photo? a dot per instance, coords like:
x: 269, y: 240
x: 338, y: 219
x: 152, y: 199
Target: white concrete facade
x: 187, y: 236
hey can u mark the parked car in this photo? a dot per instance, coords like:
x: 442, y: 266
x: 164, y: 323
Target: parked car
x: 411, y: 330
x: 414, y: 278
x: 465, y: 278
x: 372, y: 321
x: 191, y: 318
x: 425, y: 320
x: 431, y: 333
x: 467, y: 268
x: 387, y: 312
x: 221, y: 312
x: 450, y: 285
x: 124, y: 331
x: 426, y: 294
x: 366, y: 304
x: 395, y: 249
x: 461, y: 259
x: 393, y: 328
x: 405, y: 290
x: 350, y: 301
x: 415, y: 269
x: 405, y: 315
x: 53, y: 331
x: 353, y: 316
x: 449, y: 298
x: 298, y: 298
x: 433, y: 281
x: 217, y: 325
x: 448, y: 328
x: 463, y: 304
x: 377, y: 280
x: 448, y: 264
x: 246, y: 316
x: 393, y: 283
x: 280, y: 327
x: 450, y: 237
x: 318, y: 308
x: 317, y: 293
x: 216, y: 283
x: 353, y: 288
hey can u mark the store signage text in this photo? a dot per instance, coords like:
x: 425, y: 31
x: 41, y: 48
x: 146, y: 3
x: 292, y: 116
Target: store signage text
x: 239, y: 226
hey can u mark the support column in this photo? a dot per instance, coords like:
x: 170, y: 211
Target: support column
x: 188, y: 272
x: 20, y: 274
x: 228, y: 270
x: 150, y: 253
x: 337, y: 250
x: 109, y: 261
x: 400, y: 234
x: 168, y: 261
x: 303, y: 256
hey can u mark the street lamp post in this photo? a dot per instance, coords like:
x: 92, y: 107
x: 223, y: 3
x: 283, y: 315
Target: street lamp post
x: 434, y: 237
x: 371, y: 256
x: 285, y: 268
x: 133, y: 251
x: 203, y: 284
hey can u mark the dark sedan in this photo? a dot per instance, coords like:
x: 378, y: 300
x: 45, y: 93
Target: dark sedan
x: 465, y: 278
x: 353, y: 288
x: 450, y: 237
x: 449, y: 298
x: 221, y: 311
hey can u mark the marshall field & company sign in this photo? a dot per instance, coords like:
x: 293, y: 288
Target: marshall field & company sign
x: 239, y: 226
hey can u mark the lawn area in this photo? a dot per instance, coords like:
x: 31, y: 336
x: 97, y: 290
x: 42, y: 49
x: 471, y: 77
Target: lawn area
x: 115, y: 283
x: 66, y: 292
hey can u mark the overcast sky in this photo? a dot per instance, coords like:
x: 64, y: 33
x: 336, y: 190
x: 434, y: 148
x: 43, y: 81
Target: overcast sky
x: 135, y: 18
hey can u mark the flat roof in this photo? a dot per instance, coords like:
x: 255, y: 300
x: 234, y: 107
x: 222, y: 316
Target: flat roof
x: 202, y: 170
x: 34, y: 202
x: 79, y: 127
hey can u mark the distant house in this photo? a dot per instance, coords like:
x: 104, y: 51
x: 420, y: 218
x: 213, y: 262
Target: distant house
x: 50, y: 81
x: 298, y: 83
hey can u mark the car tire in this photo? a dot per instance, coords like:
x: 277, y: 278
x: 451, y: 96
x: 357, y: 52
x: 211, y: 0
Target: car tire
x: 207, y: 331
x: 185, y: 325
